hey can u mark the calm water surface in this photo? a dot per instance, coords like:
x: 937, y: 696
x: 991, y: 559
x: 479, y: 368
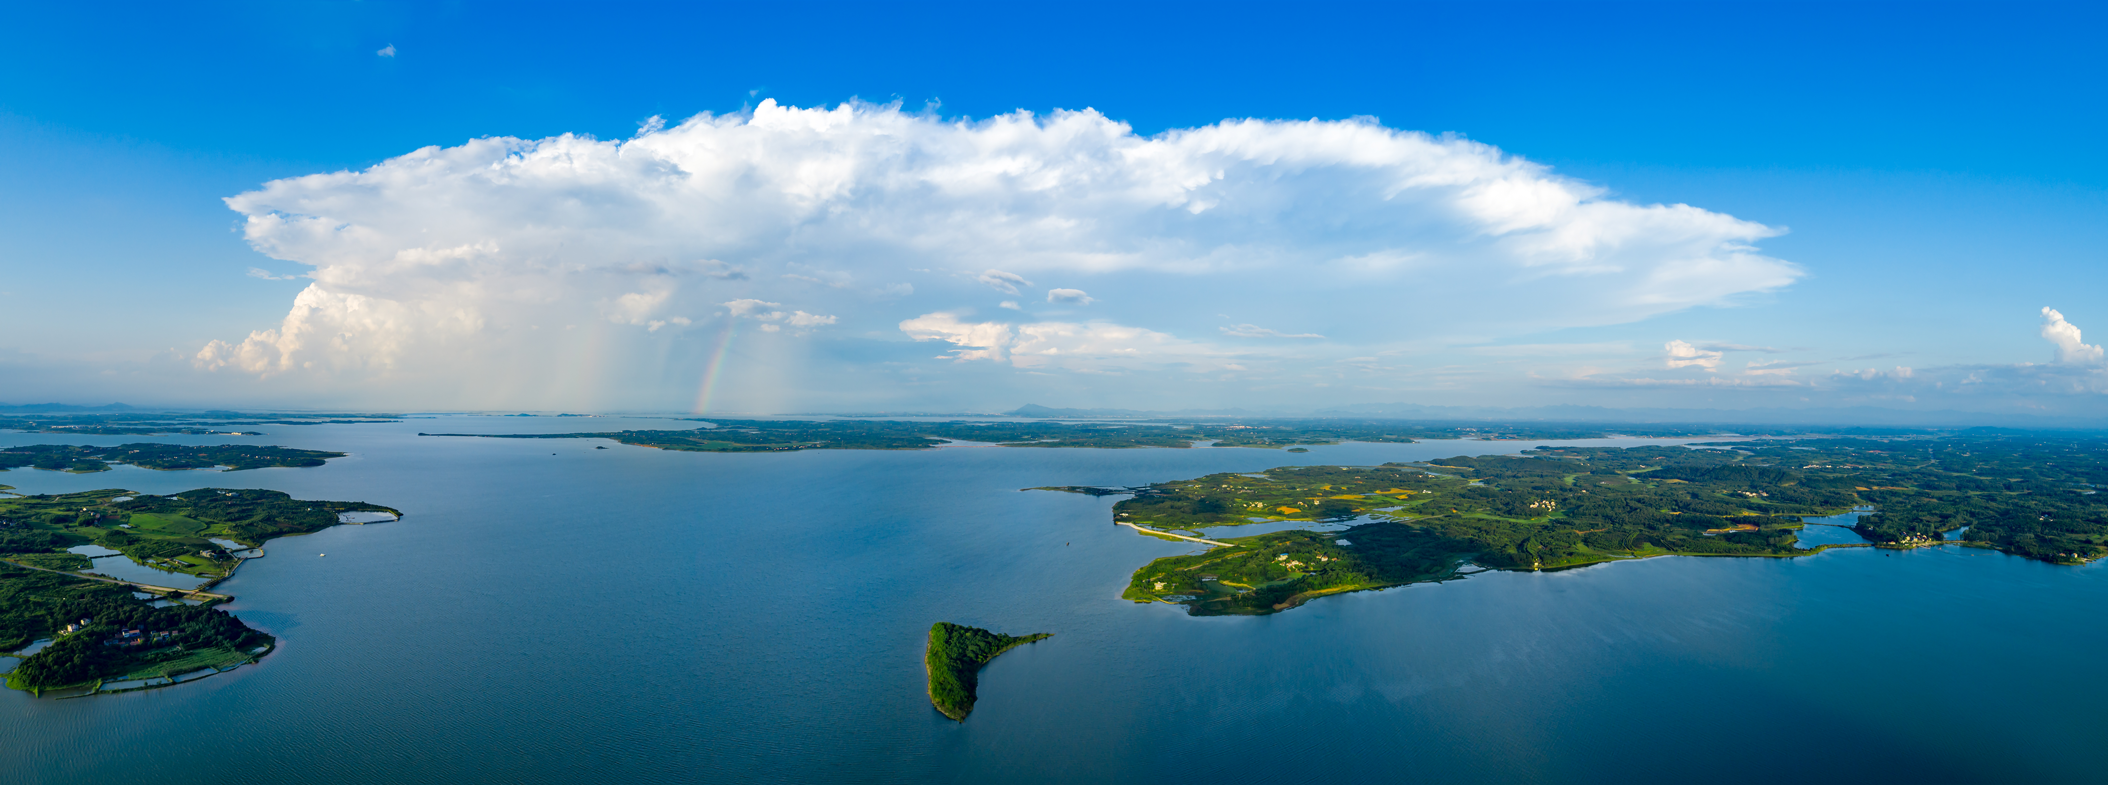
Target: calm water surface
x: 548, y: 612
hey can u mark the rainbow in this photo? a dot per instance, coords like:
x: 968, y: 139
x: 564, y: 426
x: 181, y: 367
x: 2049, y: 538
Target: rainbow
x: 716, y: 366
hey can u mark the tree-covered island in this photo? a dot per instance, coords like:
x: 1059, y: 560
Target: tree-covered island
x: 166, y: 457
x: 729, y: 435
x: 954, y: 659
x: 2023, y: 494
x: 209, y: 423
x: 113, y: 634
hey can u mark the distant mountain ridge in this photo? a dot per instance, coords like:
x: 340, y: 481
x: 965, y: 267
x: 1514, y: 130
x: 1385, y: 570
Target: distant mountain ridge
x: 65, y: 407
x: 1036, y: 410
x: 1857, y: 416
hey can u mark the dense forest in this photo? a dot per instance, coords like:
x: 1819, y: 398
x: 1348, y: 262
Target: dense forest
x: 148, y: 455
x: 2025, y: 494
x: 127, y: 636
x: 954, y: 659
x: 124, y: 636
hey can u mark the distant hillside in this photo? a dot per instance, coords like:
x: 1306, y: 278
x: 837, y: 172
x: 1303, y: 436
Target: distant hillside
x: 1036, y: 410
x: 63, y: 407
x: 1860, y: 416
x: 1852, y: 416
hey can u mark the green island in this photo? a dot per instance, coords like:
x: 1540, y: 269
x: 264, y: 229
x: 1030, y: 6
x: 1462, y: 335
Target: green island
x: 954, y: 660
x: 208, y: 423
x: 727, y: 435
x: 2026, y: 494
x: 111, y: 635
x: 166, y: 457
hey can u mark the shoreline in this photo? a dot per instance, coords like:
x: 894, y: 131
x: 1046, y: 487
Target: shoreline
x: 174, y: 665
x: 1455, y: 572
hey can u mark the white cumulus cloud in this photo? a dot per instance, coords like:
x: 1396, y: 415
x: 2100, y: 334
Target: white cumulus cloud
x: 438, y: 264
x: 1683, y: 355
x: 2065, y: 336
x: 1069, y: 297
x: 976, y: 340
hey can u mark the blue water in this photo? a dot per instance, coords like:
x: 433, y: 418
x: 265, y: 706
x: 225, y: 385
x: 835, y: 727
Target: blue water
x: 632, y: 615
x: 1832, y: 529
x: 111, y: 564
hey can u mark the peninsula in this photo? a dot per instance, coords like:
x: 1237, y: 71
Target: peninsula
x: 954, y: 660
x: 2026, y: 495
x: 96, y: 633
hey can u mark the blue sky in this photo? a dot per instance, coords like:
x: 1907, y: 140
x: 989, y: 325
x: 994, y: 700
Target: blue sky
x: 1929, y: 175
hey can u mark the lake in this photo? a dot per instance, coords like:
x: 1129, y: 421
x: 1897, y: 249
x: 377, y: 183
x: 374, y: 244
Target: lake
x: 549, y: 612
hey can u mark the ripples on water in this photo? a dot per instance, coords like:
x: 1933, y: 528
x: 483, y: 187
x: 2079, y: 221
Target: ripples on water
x: 644, y: 616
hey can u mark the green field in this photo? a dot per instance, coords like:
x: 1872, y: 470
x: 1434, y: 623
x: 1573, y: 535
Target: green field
x: 54, y: 561
x: 178, y: 525
x: 215, y: 657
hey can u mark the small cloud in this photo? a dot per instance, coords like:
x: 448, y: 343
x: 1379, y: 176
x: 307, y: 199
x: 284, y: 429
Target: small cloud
x: 1255, y: 331
x: 258, y: 272
x: 2066, y: 337
x: 1738, y: 347
x: 749, y: 306
x: 1684, y: 355
x: 1551, y: 349
x: 837, y: 279
x: 723, y: 271
x: 1000, y: 281
x: 1707, y: 382
x: 1778, y: 368
x: 803, y: 319
x: 386, y: 51
x: 1070, y: 296
x: 637, y: 307
x: 758, y: 310
x: 655, y: 324
x: 1870, y: 374
x: 1011, y: 304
